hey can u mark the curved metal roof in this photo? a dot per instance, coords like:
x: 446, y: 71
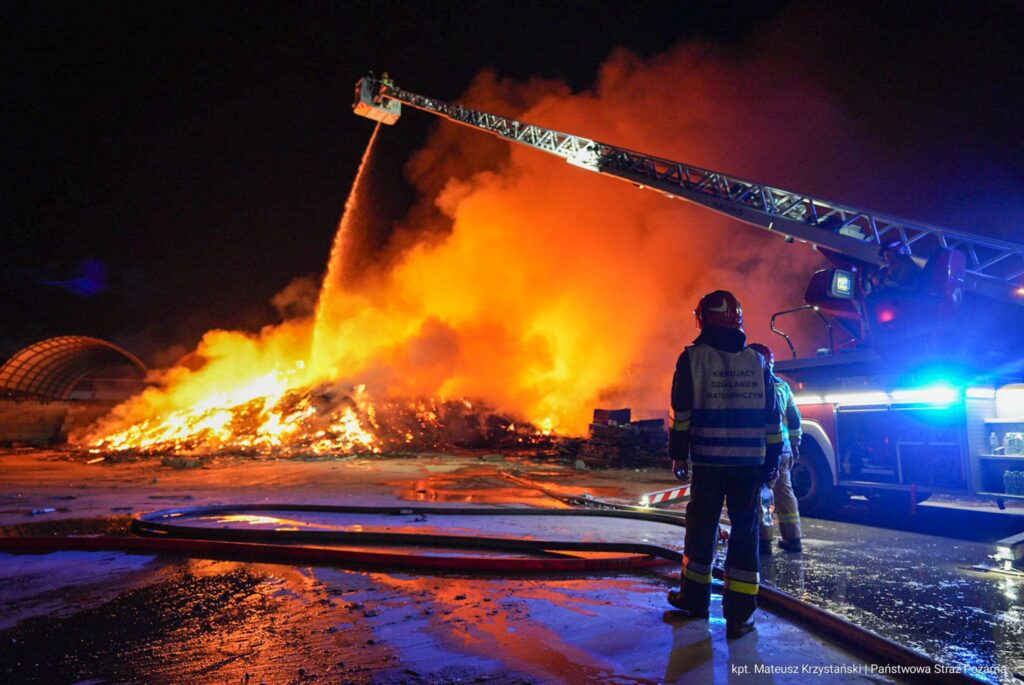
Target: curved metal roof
x: 52, y: 368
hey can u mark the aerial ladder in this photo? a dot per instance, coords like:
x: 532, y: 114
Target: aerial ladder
x: 992, y: 267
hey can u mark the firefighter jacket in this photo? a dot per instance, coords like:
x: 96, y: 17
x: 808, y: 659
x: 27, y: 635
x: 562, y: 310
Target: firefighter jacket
x: 790, y: 416
x: 725, y: 408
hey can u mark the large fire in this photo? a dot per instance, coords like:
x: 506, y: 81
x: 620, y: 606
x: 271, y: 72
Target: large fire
x: 518, y: 281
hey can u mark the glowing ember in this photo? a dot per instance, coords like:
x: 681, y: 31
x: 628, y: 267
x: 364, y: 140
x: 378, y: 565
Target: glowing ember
x: 263, y: 416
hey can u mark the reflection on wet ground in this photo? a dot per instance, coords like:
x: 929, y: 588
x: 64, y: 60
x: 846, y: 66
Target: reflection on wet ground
x: 566, y: 528
x: 484, y: 485
x: 916, y: 589
x: 201, y: 621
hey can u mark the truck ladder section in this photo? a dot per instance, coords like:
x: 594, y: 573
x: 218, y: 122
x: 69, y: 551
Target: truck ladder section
x: 994, y: 267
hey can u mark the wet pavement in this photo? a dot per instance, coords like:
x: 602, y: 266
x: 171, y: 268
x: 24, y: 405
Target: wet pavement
x: 132, y: 618
x: 917, y: 589
x: 144, y: 620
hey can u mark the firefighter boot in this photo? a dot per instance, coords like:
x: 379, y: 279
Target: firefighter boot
x: 735, y: 629
x: 791, y: 546
x: 677, y: 600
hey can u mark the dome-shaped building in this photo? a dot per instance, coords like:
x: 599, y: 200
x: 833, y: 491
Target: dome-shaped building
x: 54, y: 383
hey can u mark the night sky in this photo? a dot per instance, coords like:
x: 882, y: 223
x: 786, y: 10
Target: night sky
x: 172, y: 166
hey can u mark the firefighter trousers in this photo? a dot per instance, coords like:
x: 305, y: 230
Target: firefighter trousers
x: 740, y: 488
x: 786, y: 510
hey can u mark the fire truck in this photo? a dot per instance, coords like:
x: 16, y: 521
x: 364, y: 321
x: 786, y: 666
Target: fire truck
x: 918, y: 389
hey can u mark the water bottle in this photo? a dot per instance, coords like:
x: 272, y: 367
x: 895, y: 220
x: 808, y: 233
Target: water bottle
x: 993, y: 442
x: 1013, y: 482
x: 767, y: 506
x: 1013, y: 443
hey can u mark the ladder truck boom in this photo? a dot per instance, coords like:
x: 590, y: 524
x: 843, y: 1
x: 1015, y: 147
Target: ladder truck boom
x: 994, y: 268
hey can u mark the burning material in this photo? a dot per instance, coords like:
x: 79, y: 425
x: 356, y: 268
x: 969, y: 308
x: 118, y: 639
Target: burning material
x: 288, y: 421
x: 250, y: 394
x: 321, y: 420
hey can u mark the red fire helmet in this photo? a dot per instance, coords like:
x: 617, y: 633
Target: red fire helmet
x: 764, y: 351
x: 719, y: 309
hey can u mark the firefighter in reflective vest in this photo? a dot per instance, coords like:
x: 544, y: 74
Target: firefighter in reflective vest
x: 726, y: 422
x: 785, y: 500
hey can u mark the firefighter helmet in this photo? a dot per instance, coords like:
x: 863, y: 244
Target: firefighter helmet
x: 719, y: 309
x: 764, y: 351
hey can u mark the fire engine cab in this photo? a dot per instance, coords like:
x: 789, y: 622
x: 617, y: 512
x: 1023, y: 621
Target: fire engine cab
x: 922, y: 395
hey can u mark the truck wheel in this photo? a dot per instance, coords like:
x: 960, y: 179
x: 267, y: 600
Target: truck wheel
x: 812, y: 481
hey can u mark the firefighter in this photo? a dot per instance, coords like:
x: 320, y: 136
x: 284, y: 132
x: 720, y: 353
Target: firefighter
x: 726, y: 421
x: 897, y: 270
x: 785, y: 500
x: 385, y: 82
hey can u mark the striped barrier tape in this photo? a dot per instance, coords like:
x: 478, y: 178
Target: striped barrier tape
x: 662, y: 497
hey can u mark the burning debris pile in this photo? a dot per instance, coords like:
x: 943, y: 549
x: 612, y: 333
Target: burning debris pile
x: 282, y: 419
x: 322, y: 420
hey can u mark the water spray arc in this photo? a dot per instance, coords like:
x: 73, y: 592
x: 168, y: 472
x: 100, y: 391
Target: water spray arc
x: 320, y: 357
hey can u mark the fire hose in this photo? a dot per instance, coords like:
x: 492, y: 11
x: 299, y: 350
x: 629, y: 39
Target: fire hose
x: 167, y: 533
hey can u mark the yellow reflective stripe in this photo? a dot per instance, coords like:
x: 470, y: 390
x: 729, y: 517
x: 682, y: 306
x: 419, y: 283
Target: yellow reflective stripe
x: 741, y: 587
x: 773, y: 438
x: 678, y: 415
x: 795, y: 433
x: 703, y: 578
x: 681, y: 425
x: 788, y: 518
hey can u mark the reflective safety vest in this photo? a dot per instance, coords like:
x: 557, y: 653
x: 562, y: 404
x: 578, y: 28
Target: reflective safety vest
x: 727, y: 422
